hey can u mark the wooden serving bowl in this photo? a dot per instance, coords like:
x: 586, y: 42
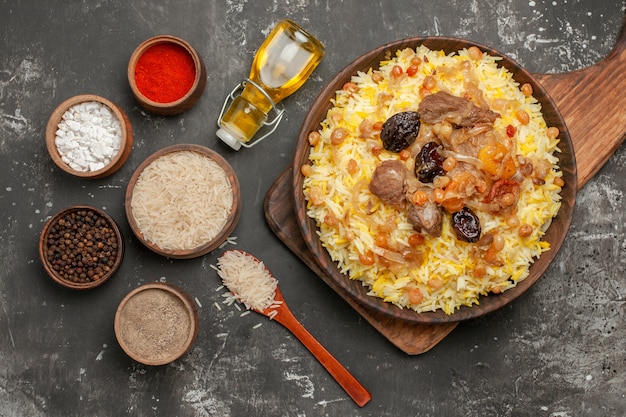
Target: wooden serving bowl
x: 231, y: 220
x: 156, y: 323
x: 186, y: 101
x: 46, y: 243
x: 126, y: 144
x: 555, y: 234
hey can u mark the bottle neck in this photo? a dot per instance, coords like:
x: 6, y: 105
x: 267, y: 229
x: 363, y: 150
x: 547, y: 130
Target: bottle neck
x: 257, y: 94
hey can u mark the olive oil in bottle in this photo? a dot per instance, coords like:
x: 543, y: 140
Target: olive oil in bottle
x: 281, y: 65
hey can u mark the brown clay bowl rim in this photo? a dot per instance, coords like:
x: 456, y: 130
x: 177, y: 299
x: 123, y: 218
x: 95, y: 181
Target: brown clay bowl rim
x: 125, y: 146
x: 147, y: 44
x: 231, y: 221
x: 43, y: 245
x: 190, y: 308
x: 555, y: 234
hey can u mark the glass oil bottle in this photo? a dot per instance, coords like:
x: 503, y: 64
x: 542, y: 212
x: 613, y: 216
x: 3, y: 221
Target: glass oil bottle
x: 281, y: 65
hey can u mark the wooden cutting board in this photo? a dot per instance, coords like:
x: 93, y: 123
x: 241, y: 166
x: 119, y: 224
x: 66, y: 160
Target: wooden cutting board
x: 592, y: 102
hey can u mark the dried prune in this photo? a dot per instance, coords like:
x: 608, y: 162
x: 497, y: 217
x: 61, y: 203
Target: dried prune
x: 400, y: 130
x: 466, y: 225
x: 429, y: 163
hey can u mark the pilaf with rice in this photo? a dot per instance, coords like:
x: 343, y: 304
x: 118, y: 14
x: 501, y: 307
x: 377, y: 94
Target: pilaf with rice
x: 395, y: 216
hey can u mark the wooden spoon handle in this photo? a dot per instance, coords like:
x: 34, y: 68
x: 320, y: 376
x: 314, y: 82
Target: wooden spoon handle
x: 348, y: 382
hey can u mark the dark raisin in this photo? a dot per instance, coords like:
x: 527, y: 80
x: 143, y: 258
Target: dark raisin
x: 429, y: 163
x: 400, y: 130
x: 466, y: 225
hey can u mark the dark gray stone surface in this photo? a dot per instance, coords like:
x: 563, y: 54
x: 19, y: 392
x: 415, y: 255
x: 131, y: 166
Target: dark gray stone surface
x: 557, y: 351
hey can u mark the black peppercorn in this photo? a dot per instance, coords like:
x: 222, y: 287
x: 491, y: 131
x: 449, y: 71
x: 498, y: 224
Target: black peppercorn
x: 81, y: 246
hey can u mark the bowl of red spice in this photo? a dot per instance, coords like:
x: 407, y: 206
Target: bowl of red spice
x: 81, y: 247
x: 166, y: 75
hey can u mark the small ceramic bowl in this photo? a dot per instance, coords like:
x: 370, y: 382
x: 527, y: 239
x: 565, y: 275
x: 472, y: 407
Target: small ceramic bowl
x: 228, y: 216
x: 156, y: 323
x: 81, y: 247
x: 155, y: 74
x: 62, y: 153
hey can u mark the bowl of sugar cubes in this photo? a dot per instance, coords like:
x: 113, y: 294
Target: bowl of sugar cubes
x: 89, y: 136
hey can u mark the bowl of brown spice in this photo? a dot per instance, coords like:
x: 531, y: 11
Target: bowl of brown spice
x: 156, y: 323
x: 81, y: 247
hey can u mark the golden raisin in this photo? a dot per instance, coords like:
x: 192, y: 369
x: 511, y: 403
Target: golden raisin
x: 479, y: 271
x: 412, y: 70
x: 377, y: 77
x: 338, y: 135
x: 415, y: 295
x: 522, y: 116
x: 314, y: 138
x: 449, y: 163
x: 527, y: 90
x: 316, y: 196
x: 396, y: 71
x: 430, y: 82
x: 366, y: 128
x: 525, y: 230
x: 351, y: 87
x: 435, y: 283
x: 416, y: 239
x: 352, y: 166
x: 498, y: 242
x: 438, y: 195
x: 404, y: 154
x: 330, y: 220
x: 367, y: 258
x: 552, y: 132
x: 420, y: 198
x: 474, y: 52
x: 491, y: 255
x: 558, y: 181
x: 306, y: 170
x: 512, y: 221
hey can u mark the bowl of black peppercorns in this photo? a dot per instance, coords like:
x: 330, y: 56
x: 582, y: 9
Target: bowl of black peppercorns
x: 81, y: 247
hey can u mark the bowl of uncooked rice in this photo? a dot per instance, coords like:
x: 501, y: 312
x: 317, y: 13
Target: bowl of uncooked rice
x: 183, y: 201
x: 434, y: 179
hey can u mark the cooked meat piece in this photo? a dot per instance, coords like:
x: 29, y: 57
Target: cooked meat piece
x: 441, y: 106
x: 427, y: 217
x: 388, y: 182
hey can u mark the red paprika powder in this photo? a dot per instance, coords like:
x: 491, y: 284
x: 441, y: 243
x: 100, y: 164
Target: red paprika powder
x: 165, y: 72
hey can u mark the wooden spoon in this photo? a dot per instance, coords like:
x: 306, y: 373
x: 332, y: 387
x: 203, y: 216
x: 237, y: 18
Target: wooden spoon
x: 348, y: 382
x: 279, y: 312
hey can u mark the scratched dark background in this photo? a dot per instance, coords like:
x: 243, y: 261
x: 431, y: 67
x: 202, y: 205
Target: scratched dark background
x: 557, y: 351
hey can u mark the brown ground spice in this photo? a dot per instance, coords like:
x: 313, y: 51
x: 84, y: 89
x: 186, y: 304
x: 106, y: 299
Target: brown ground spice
x: 154, y: 324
